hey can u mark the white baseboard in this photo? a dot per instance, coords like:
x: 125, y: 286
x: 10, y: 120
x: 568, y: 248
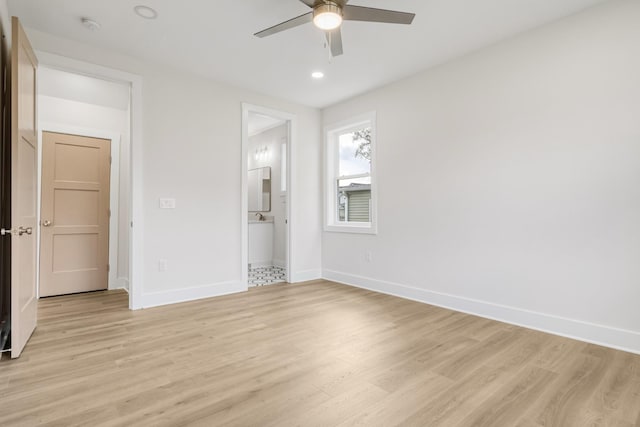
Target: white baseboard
x: 258, y: 264
x: 119, y: 283
x: 280, y: 263
x: 305, y: 275
x: 620, y: 339
x: 155, y: 299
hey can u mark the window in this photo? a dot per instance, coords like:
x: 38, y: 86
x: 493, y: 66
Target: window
x: 350, y: 180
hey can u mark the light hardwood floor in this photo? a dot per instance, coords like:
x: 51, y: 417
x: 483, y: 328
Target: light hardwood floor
x: 315, y: 354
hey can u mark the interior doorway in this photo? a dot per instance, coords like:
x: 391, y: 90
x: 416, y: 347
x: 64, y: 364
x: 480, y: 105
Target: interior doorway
x: 267, y: 145
x: 132, y: 211
x: 84, y: 211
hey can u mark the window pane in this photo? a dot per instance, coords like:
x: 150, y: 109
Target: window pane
x: 354, y: 200
x: 355, y: 152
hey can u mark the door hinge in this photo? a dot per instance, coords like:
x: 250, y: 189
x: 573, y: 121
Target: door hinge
x: 108, y: 267
x: 109, y: 213
x: 110, y: 160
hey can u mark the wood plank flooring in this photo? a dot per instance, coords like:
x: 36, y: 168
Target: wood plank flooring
x: 314, y: 354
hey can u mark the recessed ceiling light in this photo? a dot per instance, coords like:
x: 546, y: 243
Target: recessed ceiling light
x: 145, y: 12
x: 91, y: 24
x: 317, y: 75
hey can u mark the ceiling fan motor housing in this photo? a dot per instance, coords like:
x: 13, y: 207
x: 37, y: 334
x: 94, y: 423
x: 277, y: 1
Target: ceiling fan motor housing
x: 327, y: 7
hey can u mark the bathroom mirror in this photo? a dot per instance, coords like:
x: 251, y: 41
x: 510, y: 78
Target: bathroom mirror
x: 260, y: 189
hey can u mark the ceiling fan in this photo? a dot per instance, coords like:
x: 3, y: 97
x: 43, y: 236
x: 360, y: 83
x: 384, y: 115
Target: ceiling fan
x: 329, y: 14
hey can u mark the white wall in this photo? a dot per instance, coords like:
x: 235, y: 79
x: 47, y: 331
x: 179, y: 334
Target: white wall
x: 273, y: 139
x: 90, y: 117
x: 192, y: 152
x: 524, y: 165
x: 82, y: 88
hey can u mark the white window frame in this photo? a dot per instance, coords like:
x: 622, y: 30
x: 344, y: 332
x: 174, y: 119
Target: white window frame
x: 331, y: 170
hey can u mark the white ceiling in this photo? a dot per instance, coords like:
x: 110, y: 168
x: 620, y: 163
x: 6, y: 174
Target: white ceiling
x: 259, y: 123
x: 215, y: 38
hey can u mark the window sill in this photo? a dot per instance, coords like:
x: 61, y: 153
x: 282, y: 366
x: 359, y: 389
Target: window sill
x: 365, y: 228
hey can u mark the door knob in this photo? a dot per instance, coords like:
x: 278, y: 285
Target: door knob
x: 46, y: 223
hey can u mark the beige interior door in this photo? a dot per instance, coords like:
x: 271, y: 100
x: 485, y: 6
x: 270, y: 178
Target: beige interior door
x: 74, y: 251
x: 24, y: 149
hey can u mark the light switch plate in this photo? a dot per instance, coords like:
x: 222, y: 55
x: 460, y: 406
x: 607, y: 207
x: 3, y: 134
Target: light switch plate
x: 167, y: 203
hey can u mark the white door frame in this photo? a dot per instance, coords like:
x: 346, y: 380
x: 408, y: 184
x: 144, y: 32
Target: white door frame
x: 291, y: 139
x: 136, y: 242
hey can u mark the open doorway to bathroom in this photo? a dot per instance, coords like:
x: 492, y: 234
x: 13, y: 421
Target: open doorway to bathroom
x: 266, y: 193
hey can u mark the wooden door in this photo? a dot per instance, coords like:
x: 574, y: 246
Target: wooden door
x: 74, y: 249
x: 24, y: 155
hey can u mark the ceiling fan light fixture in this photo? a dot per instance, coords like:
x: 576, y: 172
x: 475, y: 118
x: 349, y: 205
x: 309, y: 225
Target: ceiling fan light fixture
x: 327, y: 16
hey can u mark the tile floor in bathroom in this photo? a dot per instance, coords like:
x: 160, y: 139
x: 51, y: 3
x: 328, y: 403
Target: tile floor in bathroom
x: 261, y: 276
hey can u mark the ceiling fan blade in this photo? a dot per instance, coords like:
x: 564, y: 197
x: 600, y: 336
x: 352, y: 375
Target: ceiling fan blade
x: 309, y: 3
x: 334, y: 38
x: 291, y: 23
x: 369, y: 14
